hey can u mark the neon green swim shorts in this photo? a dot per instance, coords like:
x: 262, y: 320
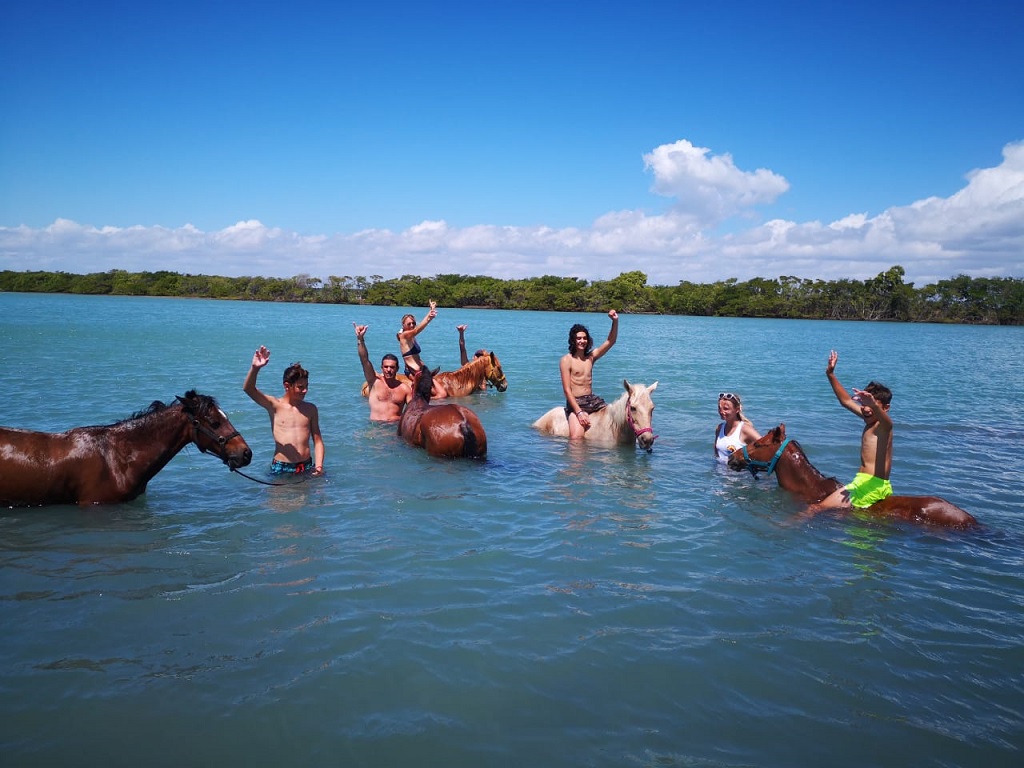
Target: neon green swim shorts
x: 866, y: 489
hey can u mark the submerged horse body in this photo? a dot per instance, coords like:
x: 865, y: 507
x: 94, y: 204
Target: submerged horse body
x: 447, y: 430
x: 626, y: 421
x: 776, y: 453
x: 485, y: 369
x: 109, y: 464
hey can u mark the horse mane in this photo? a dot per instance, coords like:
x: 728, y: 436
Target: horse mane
x: 616, y: 413
x: 471, y: 374
x: 193, y: 403
x: 155, y: 407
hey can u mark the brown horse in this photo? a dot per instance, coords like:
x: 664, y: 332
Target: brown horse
x: 448, y: 430
x: 485, y: 369
x: 105, y: 465
x: 782, y: 455
x: 626, y: 421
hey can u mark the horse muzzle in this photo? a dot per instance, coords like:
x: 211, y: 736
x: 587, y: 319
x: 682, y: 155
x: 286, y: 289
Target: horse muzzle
x: 238, y: 459
x: 645, y: 439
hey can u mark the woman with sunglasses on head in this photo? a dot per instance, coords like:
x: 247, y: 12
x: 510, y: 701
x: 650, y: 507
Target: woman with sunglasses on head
x: 735, y: 431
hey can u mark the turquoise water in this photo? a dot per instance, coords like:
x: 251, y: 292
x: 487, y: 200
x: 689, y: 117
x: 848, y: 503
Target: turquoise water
x: 555, y: 605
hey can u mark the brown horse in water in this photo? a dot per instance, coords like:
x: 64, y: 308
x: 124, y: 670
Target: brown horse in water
x: 782, y: 455
x: 480, y: 371
x: 105, y: 465
x: 448, y: 430
x: 626, y: 421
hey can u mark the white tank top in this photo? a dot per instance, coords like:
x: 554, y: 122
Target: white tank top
x: 726, y: 444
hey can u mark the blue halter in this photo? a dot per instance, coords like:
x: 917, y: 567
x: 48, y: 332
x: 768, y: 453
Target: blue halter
x: 756, y: 466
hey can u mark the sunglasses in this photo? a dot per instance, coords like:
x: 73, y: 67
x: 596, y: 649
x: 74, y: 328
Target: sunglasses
x: 728, y: 396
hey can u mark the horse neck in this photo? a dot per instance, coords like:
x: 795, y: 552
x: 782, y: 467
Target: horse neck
x: 418, y: 403
x: 153, y: 440
x: 618, y: 422
x: 472, y: 374
x: 797, y: 475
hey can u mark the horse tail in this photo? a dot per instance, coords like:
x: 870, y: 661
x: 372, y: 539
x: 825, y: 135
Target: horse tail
x: 470, y: 445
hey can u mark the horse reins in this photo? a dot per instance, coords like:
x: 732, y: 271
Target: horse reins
x: 305, y: 477
x: 755, y: 466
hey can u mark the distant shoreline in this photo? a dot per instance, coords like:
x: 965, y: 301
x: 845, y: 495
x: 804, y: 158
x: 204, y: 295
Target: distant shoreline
x: 885, y: 297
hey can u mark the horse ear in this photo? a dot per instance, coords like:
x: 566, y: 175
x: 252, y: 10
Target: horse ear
x: 653, y: 387
x: 625, y: 383
x: 779, y: 433
x: 435, y: 371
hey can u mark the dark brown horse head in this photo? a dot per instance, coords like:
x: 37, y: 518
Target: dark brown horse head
x: 212, y: 431
x: 759, y: 453
x: 495, y: 376
x: 423, y: 382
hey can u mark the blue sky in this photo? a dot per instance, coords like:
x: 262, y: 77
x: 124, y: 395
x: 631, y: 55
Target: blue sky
x: 691, y: 140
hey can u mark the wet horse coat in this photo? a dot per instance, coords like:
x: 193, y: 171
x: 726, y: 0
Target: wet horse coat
x: 776, y: 453
x: 104, y: 465
x: 447, y: 430
x: 467, y: 379
x: 626, y: 421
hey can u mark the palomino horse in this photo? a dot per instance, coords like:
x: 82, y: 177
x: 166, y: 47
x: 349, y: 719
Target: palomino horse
x: 782, y: 455
x: 103, y: 465
x: 623, y: 422
x: 447, y: 430
x: 481, y: 370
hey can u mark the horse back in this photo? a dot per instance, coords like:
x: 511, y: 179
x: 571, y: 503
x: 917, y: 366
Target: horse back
x: 553, y: 422
x: 926, y: 509
x: 48, y: 468
x: 452, y: 431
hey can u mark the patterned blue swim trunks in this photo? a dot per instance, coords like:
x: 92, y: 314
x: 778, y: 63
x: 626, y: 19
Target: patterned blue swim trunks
x: 290, y: 468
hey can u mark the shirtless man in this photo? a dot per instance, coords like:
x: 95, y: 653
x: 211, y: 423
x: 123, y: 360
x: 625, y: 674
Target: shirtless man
x: 577, y: 369
x: 387, y: 395
x: 872, y: 405
x: 293, y: 421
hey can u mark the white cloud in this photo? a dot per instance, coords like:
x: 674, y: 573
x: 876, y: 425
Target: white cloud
x: 709, y: 188
x: 979, y: 230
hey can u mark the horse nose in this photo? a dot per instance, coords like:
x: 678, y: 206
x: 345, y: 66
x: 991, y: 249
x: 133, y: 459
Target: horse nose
x: 241, y: 459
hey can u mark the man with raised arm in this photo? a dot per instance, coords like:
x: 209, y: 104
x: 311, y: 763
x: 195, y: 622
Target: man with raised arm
x: 871, y: 404
x: 577, y: 369
x: 387, y: 395
x: 293, y: 420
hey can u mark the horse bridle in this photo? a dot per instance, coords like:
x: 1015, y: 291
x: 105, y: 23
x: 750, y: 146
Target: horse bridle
x: 632, y: 424
x: 491, y: 370
x: 755, y: 465
x: 198, y: 428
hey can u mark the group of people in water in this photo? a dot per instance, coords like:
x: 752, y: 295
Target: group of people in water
x: 295, y: 422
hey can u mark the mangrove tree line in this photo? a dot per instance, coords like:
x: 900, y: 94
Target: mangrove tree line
x: 961, y: 299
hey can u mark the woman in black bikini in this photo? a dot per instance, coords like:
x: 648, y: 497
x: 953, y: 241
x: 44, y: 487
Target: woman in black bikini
x: 407, y: 343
